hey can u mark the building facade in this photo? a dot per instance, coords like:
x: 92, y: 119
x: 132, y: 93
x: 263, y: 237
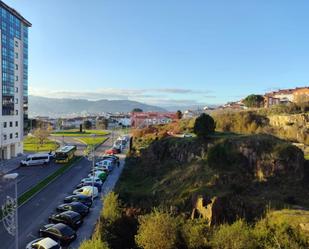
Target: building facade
x: 14, y: 80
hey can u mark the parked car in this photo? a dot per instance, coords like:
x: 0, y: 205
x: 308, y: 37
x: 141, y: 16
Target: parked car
x: 70, y: 218
x: 110, y: 157
x: 36, y: 159
x: 107, y: 162
x: 90, y: 180
x: 186, y: 135
x: 97, y: 185
x: 75, y: 206
x: 98, y: 174
x: 86, y: 200
x: 59, y: 232
x: 88, y: 191
x: 106, y: 169
x: 43, y: 243
x: 112, y: 151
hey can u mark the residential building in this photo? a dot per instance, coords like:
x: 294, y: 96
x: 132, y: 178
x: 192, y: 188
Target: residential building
x: 285, y: 96
x: 145, y: 119
x: 14, y: 80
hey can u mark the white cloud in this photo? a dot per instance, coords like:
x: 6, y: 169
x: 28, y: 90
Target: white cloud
x: 158, y: 96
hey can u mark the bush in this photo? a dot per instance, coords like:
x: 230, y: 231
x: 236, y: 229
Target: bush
x: 95, y: 243
x: 195, y: 233
x: 282, y: 236
x: 204, y: 125
x: 157, y: 230
x: 111, y: 210
x: 236, y: 236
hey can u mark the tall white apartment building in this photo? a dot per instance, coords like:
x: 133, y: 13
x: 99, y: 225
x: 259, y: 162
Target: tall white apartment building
x: 14, y: 80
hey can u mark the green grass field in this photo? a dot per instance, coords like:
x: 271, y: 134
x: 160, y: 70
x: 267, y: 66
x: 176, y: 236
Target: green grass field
x: 31, y: 144
x: 77, y: 133
x: 90, y: 141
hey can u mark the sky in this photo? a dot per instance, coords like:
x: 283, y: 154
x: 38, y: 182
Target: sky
x: 166, y: 52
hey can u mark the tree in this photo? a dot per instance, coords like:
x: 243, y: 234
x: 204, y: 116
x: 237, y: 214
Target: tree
x: 111, y: 210
x: 87, y: 124
x: 195, y: 233
x: 137, y: 110
x: 42, y: 134
x: 179, y: 114
x: 204, y: 125
x: 157, y: 230
x: 254, y: 100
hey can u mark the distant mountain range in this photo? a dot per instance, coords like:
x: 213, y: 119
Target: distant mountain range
x: 52, y: 107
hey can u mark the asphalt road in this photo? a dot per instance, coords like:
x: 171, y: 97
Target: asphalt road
x: 35, y: 212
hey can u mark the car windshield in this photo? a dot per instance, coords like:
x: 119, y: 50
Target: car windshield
x: 66, y: 230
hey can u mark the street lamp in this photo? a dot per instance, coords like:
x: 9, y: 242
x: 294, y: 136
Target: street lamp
x: 13, y: 176
x: 93, y: 162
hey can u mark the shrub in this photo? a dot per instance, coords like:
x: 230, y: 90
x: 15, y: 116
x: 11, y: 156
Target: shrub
x: 195, y: 233
x: 111, y: 210
x: 157, y: 230
x: 281, y: 235
x: 204, y: 125
x: 95, y: 243
x: 236, y: 236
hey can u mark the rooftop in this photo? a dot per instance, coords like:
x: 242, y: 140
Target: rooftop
x: 15, y: 13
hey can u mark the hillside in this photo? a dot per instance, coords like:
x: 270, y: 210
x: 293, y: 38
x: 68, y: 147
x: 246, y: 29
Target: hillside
x: 41, y: 106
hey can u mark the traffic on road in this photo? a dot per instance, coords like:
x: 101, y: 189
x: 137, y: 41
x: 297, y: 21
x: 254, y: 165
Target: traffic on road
x: 68, y: 217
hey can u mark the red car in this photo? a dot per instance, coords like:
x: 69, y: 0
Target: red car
x: 111, y: 151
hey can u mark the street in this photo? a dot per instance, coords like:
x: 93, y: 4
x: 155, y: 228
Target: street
x: 35, y: 212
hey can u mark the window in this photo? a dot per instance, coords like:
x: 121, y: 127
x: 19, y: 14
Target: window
x: 16, y: 89
x: 16, y: 134
x: 4, y: 124
x: 16, y: 66
x: 11, y: 124
x: 16, y: 101
x: 16, y: 78
x: 16, y: 44
x: 16, y: 55
x: 16, y: 123
x: 4, y: 136
x: 11, y: 135
x: 16, y: 112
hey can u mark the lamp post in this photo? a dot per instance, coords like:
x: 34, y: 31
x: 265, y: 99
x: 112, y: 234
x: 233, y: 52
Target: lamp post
x: 93, y: 163
x: 14, y: 176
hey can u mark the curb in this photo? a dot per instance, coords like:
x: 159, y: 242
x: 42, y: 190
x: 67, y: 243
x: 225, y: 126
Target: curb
x: 50, y: 182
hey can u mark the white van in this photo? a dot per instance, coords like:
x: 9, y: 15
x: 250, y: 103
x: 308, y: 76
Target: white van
x: 36, y: 159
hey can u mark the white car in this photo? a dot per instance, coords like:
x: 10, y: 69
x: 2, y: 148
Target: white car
x: 97, y: 174
x: 87, y: 190
x: 105, y: 162
x: 43, y: 243
x: 107, y: 168
x: 36, y: 159
x: 89, y: 180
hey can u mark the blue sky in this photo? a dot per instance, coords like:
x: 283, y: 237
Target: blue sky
x: 166, y: 52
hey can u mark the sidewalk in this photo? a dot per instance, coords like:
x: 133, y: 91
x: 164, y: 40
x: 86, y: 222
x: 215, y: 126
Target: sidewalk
x: 11, y: 164
x: 86, y: 230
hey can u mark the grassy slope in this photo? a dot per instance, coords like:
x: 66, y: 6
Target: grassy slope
x: 31, y: 144
x: 172, y: 183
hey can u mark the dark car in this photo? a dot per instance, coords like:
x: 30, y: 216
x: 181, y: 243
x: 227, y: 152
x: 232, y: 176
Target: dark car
x: 70, y: 218
x: 77, y: 207
x: 95, y: 184
x: 59, y: 232
x: 86, y: 200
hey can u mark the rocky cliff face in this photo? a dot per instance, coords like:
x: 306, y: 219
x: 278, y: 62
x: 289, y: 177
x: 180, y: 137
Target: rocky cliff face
x: 293, y: 127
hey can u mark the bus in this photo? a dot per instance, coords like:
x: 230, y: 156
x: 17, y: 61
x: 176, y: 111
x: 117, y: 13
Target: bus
x: 65, y: 154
